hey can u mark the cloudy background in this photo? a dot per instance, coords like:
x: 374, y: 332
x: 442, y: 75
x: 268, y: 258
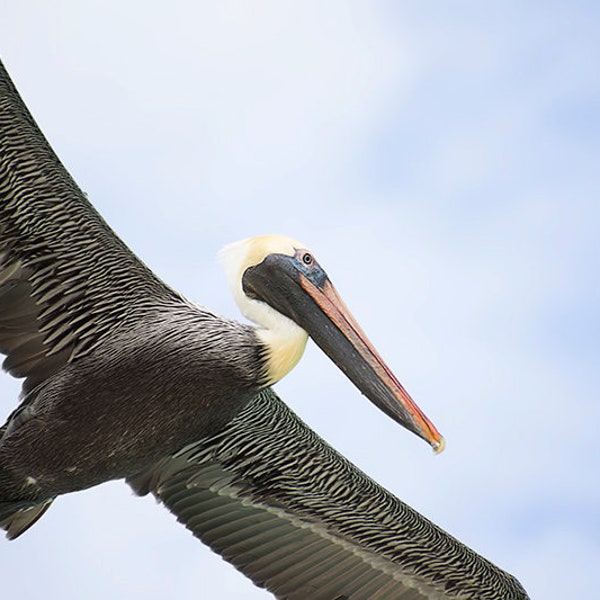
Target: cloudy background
x: 441, y: 159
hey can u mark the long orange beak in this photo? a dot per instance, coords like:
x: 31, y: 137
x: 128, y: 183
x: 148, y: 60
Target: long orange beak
x: 304, y: 294
x: 393, y: 399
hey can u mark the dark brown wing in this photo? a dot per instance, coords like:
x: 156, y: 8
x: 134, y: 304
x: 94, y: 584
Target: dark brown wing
x: 66, y: 280
x: 297, y: 518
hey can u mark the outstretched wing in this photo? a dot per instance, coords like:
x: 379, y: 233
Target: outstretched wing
x: 296, y: 517
x: 66, y: 280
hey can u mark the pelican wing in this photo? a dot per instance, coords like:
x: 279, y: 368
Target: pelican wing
x: 66, y: 280
x: 296, y: 517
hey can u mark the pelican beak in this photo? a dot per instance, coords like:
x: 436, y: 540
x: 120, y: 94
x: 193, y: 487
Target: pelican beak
x: 307, y: 297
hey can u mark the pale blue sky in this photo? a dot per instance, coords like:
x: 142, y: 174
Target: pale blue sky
x: 441, y: 159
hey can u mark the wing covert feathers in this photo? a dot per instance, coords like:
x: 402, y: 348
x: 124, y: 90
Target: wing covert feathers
x: 292, y: 514
x: 66, y: 280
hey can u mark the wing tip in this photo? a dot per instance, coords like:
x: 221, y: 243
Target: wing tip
x: 16, y: 518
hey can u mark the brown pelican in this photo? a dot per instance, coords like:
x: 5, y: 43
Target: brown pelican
x: 124, y: 378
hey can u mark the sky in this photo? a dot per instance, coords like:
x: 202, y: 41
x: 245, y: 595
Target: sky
x: 440, y: 159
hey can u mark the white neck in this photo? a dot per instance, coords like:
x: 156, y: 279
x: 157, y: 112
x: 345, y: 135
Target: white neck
x: 285, y: 348
x: 285, y: 341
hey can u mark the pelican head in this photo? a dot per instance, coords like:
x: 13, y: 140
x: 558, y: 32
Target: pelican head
x: 278, y: 284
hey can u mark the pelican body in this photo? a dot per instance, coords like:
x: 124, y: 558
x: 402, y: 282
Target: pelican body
x: 125, y: 378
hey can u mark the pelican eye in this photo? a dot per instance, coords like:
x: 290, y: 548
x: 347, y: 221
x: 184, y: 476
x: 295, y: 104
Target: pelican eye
x: 307, y: 258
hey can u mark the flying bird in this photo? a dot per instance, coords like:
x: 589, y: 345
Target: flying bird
x: 126, y: 379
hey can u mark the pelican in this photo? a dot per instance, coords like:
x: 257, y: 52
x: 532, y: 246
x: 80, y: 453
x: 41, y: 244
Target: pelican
x: 126, y: 379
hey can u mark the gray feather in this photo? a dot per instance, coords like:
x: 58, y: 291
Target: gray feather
x: 299, y: 519
x: 67, y: 282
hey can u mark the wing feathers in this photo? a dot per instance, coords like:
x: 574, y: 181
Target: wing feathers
x: 297, y: 518
x: 66, y: 280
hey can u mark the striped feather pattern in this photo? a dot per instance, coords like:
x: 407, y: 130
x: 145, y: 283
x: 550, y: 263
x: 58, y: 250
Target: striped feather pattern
x: 299, y: 519
x: 66, y: 280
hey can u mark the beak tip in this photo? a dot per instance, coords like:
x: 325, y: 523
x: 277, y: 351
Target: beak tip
x: 439, y: 445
